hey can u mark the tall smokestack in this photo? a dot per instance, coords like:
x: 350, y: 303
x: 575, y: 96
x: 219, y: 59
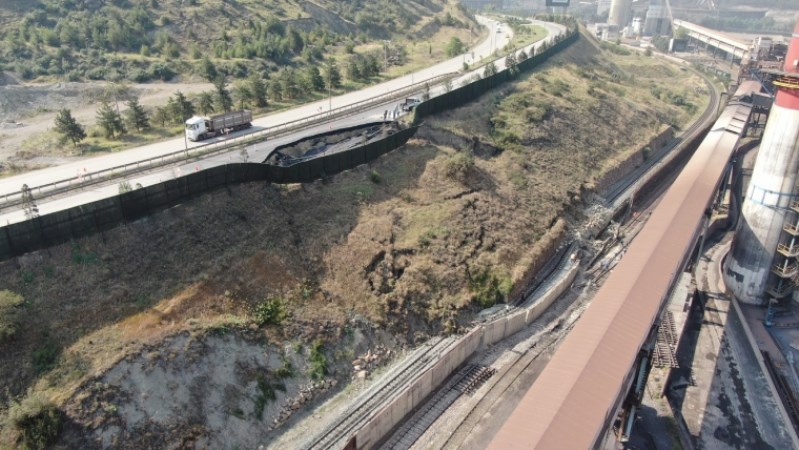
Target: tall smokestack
x: 763, y: 261
x: 620, y: 12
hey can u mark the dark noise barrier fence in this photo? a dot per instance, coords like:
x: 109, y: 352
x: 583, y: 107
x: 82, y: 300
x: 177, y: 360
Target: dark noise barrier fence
x: 102, y: 215
x: 465, y: 94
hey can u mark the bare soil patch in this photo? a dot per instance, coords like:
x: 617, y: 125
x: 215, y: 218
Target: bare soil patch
x: 28, y: 110
x: 390, y: 253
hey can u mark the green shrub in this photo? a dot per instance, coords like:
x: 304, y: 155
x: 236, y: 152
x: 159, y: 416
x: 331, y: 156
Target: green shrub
x: 318, y: 366
x: 286, y: 370
x: 45, y: 357
x: 488, y: 289
x: 37, y: 421
x: 557, y: 88
x: 375, y: 177
x: 459, y: 166
x: 81, y: 257
x: 270, y: 312
x: 9, y: 308
x: 266, y: 394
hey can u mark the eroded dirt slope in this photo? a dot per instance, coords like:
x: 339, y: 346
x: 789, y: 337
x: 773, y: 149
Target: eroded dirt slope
x: 129, y: 330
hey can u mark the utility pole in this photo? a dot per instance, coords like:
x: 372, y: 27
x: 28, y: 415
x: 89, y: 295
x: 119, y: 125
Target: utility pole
x: 185, y: 141
x: 413, y: 47
x: 386, y: 44
x: 329, y: 93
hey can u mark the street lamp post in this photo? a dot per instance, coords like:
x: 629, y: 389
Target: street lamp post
x: 185, y: 141
x: 386, y: 43
x: 329, y: 92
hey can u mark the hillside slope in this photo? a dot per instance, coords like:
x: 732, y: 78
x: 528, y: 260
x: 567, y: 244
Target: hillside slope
x: 222, y: 321
x: 140, y: 40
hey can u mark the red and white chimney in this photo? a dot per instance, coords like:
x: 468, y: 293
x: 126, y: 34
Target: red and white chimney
x: 755, y: 271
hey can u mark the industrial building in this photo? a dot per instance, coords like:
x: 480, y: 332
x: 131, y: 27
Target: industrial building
x: 763, y: 268
x: 603, y: 7
x: 620, y: 13
x: 658, y: 21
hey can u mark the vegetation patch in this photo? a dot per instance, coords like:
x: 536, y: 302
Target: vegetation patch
x: 399, y: 260
x: 270, y: 312
x: 36, y: 420
x: 317, y: 361
x: 45, y: 357
x: 459, y: 166
x: 10, y: 304
x: 488, y: 289
x: 266, y: 393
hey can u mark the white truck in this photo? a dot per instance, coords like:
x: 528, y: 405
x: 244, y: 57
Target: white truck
x: 199, y: 128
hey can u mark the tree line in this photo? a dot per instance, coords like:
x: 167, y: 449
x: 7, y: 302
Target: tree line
x: 256, y: 92
x: 99, y: 40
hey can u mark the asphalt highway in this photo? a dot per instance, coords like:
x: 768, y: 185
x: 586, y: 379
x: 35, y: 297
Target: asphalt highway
x: 255, y: 152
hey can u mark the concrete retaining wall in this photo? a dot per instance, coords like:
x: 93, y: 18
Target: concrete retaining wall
x: 635, y: 159
x: 480, y: 337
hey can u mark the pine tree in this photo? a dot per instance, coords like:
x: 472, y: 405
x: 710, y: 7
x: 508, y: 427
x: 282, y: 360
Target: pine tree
x: 161, y: 115
x: 258, y: 91
x: 353, y: 70
x: 110, y: 121
x: 174, y: 115
x: 182, y: 108
x: 223, y: 95
x: 68, y: 127
x: 243, y: 95
x: 512, y: 64
x: 275, y: 90
x: 332, y: 75
x: 289, y: 84
x: 315, y: 78
x: 206, y: 103
x: 490, y: 69
x: 208, y: 69
x: 136, y: 115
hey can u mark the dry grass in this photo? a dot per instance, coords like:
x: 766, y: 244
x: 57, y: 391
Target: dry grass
x: 400, y: 254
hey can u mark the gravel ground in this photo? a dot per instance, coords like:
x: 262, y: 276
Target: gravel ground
x: 27, y: 110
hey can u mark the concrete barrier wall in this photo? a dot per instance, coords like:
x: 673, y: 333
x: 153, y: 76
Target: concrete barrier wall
x: 550, y: 296
x: 635, y: 159
x: 516, y: 322
x: 482, y: 335
x: 384, y: 421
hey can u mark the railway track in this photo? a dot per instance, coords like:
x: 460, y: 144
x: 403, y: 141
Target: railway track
x: 546, y: 336
x: 542, y: 279
x: 530, y: 356
x: 371, y: 400
x: 468, y: 380
x: 641, y: 175
x: 566, y: 313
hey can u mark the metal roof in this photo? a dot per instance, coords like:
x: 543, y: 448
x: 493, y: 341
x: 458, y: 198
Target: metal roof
x: 577, y: 394
x: 713, y: 34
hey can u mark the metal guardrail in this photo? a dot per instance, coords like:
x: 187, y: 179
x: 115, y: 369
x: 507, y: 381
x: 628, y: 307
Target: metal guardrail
x: 91, y: 178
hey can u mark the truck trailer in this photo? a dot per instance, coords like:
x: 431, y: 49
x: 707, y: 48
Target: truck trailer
x: 199, y: 128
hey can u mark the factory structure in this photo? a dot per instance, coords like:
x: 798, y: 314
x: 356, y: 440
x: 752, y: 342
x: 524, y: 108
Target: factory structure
x: 628, y: 19
x: 763, y: 265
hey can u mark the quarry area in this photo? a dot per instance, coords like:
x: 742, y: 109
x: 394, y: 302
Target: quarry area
x: 224, y: 321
